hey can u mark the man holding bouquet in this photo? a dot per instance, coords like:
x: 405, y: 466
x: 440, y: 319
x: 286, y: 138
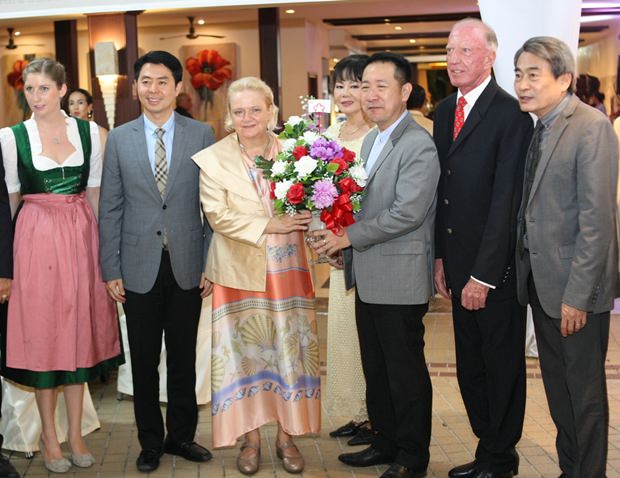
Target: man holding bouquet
x: 389, y: 256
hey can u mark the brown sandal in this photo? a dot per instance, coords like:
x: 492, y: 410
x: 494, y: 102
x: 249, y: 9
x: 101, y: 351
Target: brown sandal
x: 292, y: 461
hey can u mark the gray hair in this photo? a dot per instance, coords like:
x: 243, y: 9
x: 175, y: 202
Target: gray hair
x: 487, y: 31
x: 555, y: 52
x: 48, y: 67
x: 251, y: 83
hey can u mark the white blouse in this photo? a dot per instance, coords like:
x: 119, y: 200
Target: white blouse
x: 43, y: 163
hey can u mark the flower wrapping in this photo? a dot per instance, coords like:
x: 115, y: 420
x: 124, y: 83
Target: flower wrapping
x: 313, y: 172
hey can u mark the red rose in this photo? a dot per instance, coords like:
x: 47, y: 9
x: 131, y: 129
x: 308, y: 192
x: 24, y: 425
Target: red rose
x: 299, y: 152
x: 272, y: 190
x: 296, y: 193
x: 348, y: 185
x: 342, y: 165
x: 347, y: 155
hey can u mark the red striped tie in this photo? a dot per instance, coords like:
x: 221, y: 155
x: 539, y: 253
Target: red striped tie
x: 459, y: 116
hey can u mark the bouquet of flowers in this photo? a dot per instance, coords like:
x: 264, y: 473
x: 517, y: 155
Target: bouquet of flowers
x: 314, y: 173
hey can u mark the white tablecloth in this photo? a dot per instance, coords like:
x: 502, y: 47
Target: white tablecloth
x: 203, y: 360
x: 21, y: 425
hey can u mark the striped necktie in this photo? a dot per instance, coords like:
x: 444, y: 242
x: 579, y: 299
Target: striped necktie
x: 161, y: 167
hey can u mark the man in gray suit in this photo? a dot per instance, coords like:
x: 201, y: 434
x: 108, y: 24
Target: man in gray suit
x: 391, y: 263
x: 567, y: 252
x: 153, y: 246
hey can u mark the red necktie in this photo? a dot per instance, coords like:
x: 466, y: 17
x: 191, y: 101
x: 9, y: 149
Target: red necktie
x: 459, y: 116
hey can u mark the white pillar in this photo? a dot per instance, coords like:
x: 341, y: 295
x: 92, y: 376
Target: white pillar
x: 516, y: 21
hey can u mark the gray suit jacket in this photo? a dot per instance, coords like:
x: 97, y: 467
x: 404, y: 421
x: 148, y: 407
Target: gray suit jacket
x: 132, y: 214
x: 571, y: 215
x: 392, y: 256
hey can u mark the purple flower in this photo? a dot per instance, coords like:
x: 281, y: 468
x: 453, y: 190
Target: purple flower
x: 324, y: 193
x: 324, y: 149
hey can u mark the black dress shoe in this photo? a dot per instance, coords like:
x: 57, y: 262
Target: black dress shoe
x: 399, y: 471
x: 7, y: 470
x: 346, y: 430
x: 367, y: 457
x: 148, y: 460
x: 364, y: 436
x: 189, y: 450
x: 463, y: 471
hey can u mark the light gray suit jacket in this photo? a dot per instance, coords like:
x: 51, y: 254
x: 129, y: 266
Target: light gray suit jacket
x: 571, y: 215
x: 392, y: 256
x: 132, y: 214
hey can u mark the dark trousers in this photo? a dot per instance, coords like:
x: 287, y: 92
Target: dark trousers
x: 3, y: 326
x: 398, y: 387
x: 168, y: 309
x: 490, y: 359
x: 573, y: 372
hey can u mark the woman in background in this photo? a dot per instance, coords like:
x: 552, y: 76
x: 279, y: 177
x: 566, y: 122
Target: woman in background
x: 62, y: 328
x: 80, y: 105
x: 265, y: 357
x: 346, y: 387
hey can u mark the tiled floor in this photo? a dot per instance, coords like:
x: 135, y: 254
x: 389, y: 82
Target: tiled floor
x: 116, y: 447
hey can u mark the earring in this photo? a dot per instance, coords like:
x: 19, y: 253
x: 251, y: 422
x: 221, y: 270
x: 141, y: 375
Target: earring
x: 90, y: 114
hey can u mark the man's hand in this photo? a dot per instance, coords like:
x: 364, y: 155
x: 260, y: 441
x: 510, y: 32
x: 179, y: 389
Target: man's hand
x: 440, y: 280
x: 329, y: 243
x: 206, y: 286
x: 573, y: 320
x: 474, y: 295
x: 5, y: 290
x: 116, y: 290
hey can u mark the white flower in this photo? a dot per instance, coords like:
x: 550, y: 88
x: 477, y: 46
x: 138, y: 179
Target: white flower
x: 279, y: 167
x: 305, y: 166
x: 282, y: 188
x: 293, y: 120
x: 359, y: 174
x: 288, y: 144
x: 310, y: 137
x: 329, y: 135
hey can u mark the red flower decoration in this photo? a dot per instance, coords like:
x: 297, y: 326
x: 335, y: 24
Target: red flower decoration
x: 348, y: 185
x: 209, y: 70
x: 299, y: 152
x: 296, y: 193
x: 347, y: 155
x: 342, y: 165
x: 272, y: 190
x: 15, y: 77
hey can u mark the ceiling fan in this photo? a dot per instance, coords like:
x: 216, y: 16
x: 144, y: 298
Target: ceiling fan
x: 191, y: 34
x: 11, y: 44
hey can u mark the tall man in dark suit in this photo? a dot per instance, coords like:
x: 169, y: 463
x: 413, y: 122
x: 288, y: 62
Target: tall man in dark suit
x: 567, y: 254
x: 389, y: 257
x: 6, y: 274
x: 482, y: 138
x: 153, y: 248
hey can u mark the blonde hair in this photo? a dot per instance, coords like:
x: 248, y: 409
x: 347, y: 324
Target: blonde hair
x: 48, y: 67
x: 251, y: 83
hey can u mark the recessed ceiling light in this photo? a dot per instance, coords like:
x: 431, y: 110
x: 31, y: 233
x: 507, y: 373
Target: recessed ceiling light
x: 290, y: 10
x: 398, y: 28
x: 201, y: 21
x: 335, y: 60
x: 421, y: 47
x: 17, y: 34
x: 412, y: 40
x: 386, y: 20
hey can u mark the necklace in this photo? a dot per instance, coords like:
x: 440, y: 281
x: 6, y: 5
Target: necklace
x: 244, y: 150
